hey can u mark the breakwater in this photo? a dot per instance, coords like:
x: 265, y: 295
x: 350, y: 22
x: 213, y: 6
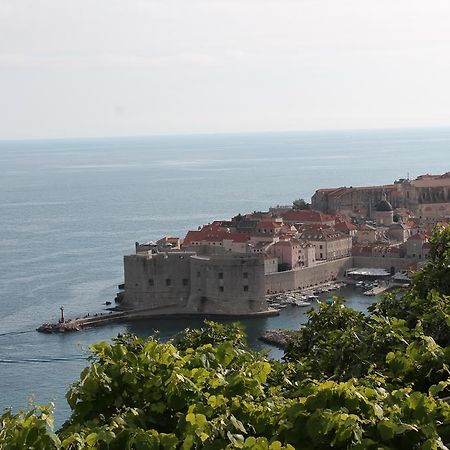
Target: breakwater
x: 100, y: 319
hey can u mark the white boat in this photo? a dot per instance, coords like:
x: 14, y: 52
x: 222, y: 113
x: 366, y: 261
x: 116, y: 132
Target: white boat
x: 302, y: 303
x: 369, y: 293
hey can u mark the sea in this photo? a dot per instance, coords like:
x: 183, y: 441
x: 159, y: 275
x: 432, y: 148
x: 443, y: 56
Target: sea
x: 71, y: 209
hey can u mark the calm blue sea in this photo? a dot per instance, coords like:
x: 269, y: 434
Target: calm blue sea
x: 70, y: 210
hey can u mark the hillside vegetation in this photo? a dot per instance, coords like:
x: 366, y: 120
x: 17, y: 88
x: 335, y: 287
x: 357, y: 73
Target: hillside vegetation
x: 379, y: 381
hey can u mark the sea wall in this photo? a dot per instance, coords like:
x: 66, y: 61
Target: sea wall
x: 308, y: 276
x: 156, y: 280
x: 228, y: 284
x: 393, y: 264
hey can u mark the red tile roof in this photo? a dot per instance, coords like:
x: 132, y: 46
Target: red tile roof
x: 345, y: 226
x: 210, y: 234
x: 306, y: 215
x: 322, y: 234
x: 269, y: 224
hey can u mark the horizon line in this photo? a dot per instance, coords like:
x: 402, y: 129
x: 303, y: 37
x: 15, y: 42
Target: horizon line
x: 225, y: 133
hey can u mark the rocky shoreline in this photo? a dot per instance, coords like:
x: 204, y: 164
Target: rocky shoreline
x: 279, y: 338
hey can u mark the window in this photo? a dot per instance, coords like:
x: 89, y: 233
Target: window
x: 151, y: 282
x: 198, y: 274
x: 245, y: 275
x: 168, y: 282
x: 220, y: 275
x: 220, y: 288
x: 321, y: 247
x: 185, y: 281
x: 245, y: 288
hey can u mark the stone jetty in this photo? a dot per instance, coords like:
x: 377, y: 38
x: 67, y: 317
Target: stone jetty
x: 278, y: 338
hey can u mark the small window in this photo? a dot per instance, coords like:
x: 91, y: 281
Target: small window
x: 151, y: 282
x: 198, y: 274
x: 245, y: 288
x: 168, y: 282
x: 320, y: 246
x: 245, y: 275
x: 220, y: 275
x: 185, y: 282
x: 220, y: 288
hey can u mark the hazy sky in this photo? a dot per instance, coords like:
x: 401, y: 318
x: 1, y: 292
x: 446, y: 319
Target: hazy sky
x: 140, y: 67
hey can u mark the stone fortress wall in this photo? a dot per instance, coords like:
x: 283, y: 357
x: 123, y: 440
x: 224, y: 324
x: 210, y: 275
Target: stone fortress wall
x: 186, y: 282
x: 393, y: 264
x: 306, y: 277
x: 225, y: 284
x: 157, y: 280
x: 183, y: 282
x: 426, y: 196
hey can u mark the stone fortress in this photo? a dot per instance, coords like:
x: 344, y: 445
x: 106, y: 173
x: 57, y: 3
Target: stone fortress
x: 426, y: 196
x: 175, y: 281
x: 228, y: 267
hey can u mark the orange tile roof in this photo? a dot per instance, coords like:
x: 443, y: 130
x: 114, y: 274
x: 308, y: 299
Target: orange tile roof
x: 208, y: 234
x: 306, y: 215
x: 345, y: 226
x: 269, y: 224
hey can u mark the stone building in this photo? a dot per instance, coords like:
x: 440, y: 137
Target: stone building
x: 366, y: 234
x: 185, y: 282
x: 384, y: 213
x: 426, y: 196
x: 414, y: 246
x: 328, y: 243
x: 398, y: 232
x: 292, y: 253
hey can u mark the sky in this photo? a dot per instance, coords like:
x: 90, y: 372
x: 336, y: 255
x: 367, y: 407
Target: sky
x: 87, y: 68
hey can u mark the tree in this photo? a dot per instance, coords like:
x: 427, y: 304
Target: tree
x: 300, y: 204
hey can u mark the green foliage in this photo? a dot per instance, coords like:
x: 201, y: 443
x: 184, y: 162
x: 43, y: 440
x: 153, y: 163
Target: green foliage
x: 213, y: 333
x: 300, y: 204
x: 380, y: 381
x: 32, y: 429
x: 436, y: 274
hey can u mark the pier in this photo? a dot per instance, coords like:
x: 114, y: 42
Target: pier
x: 100, y: 319
x: 85, y: 322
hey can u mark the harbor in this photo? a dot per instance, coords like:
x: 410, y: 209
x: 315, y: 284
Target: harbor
x: 302, y: 299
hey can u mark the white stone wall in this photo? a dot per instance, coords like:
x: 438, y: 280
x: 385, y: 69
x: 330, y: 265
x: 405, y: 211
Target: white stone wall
x: 307, y: 277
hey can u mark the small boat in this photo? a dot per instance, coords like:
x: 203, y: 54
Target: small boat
x: 312, y: 297
x: 302, y: 303
x: 369, y: 293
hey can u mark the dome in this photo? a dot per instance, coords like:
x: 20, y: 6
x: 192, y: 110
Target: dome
x: 384, y: 206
